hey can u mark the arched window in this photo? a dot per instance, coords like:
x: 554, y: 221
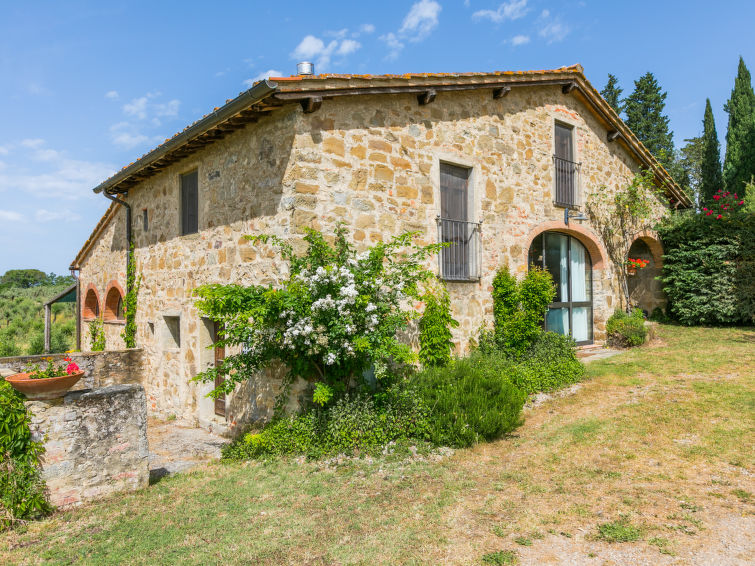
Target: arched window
x: 569, y: 262
x: 91, y: 305
x: 114, y: 304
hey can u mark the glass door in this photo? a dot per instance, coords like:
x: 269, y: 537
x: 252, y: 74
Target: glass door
x: 569, y: 264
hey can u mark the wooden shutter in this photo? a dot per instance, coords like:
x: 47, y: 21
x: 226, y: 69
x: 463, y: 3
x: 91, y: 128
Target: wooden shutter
x: 454, y: 195
x: 564, y: 142
x: 190, y: 203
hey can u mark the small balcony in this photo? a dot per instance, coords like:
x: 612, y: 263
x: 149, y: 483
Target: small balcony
x: 460, y: 260
x: 567, y: 182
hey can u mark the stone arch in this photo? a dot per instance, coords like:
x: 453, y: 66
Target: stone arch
x: 114, y: 302
x: 91, y: 306
x: 585, y: 236
x: 655, y: 247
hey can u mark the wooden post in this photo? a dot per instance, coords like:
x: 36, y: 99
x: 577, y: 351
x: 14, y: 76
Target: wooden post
x: 48, y: 311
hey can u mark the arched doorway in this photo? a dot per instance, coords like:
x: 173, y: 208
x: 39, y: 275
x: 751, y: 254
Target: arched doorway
x: 569, y: 262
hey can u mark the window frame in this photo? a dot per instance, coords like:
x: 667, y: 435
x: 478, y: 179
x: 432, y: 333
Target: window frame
x: 569, y: 304
x: 574, y: 160
x: 183, y: 214
x: 471, y: 270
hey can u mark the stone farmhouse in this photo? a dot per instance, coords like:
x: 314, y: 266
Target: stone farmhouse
x: 497, y: 163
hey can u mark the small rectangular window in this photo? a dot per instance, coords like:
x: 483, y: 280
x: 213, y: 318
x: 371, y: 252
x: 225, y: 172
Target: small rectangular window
x: 145, y: 219
x: 455, y: 226
x: 190, y: 203
x: 171, y: 337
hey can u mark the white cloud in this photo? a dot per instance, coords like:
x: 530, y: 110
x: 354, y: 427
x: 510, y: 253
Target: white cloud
x: 10, y: 216
x: 348, y: 46
x: 421, y: 20
x: 264, y: 75
x: 137, y: 107
x: 33, y: 143
x: 112, y: 95
x: 367, y: 28
x: 314, y: 49
x: 511, y: 10
x: 54, y: 175
x: 128, y: 135
x: 518, y: 40
x: 4, y: 150
x: 394, y: 44
x: 169, y: 109
x: 66, y: 215
x: 553, y: 31
x: 309, y: 48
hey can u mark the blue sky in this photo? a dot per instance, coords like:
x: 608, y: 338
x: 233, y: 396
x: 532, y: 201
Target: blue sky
x: 87, y: 87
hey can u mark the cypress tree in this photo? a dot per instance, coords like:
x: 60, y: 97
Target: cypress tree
x: 739, y: 164
x: 644, y: 111
x: 711, y: 179
x: 612, y: 93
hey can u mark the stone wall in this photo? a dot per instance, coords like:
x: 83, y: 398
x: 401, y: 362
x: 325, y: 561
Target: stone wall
x: 112, y: 367
x: 369, y: 161
x: 95, y: 443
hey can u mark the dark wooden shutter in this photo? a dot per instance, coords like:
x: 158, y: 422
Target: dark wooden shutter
x: 189, y: 203
x: 454, y: 221
x: 564, y: 142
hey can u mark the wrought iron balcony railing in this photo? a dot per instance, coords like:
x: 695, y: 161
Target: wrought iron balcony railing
x: 460, y: 260
x: 567, y: 182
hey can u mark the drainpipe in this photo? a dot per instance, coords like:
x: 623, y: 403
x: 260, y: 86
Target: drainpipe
x: 75, y: 275
x: 128, y: 233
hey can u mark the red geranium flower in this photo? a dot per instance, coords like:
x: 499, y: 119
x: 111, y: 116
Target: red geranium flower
x: 709, y: 213
x: 719, y: 217
x: 716, y: 197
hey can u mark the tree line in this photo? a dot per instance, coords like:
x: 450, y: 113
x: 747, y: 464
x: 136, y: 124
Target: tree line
x: 23, y: 293
x: 696, y: 166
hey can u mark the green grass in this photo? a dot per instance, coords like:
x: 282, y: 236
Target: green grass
x: 619, y: 531
x: 656, y: 443
x: 500, y: 557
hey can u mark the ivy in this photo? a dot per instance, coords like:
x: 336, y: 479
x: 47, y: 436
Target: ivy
x: 96, y: 335
x: 130, y: 305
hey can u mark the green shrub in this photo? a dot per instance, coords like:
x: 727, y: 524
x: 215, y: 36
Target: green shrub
x: 626, y: 330
x: 550, y: 363
x: 96, y: 335
x: 469, y: 401
x: 351, y: 424
x: 22, y: 490
x: 435, y: 329
x: 709, y: 268
x: 519, y: 308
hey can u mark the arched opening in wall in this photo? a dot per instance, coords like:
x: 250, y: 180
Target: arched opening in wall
x: 645, y: 264
x: 91, y: 305
x: 114, y: 305
x: 569, y: 263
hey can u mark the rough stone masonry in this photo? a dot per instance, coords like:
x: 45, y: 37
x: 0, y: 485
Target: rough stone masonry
x: 95, y: 443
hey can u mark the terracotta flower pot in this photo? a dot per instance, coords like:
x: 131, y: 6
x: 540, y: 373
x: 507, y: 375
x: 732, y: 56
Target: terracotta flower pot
x: 46, y: 388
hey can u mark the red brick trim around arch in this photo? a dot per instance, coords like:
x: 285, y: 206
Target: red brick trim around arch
x: 587, y: 237
x: 91, y: 307
x: 656, y: 249
x: 112, y: 296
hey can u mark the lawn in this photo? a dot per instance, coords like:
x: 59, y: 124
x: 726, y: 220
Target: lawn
x: 650, y: 460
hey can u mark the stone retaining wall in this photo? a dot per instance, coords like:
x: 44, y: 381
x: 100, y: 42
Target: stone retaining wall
x: 100, y: 368
x: 95, y: 442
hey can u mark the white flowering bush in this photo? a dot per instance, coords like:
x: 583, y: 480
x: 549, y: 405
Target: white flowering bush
x: 336, y: 317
